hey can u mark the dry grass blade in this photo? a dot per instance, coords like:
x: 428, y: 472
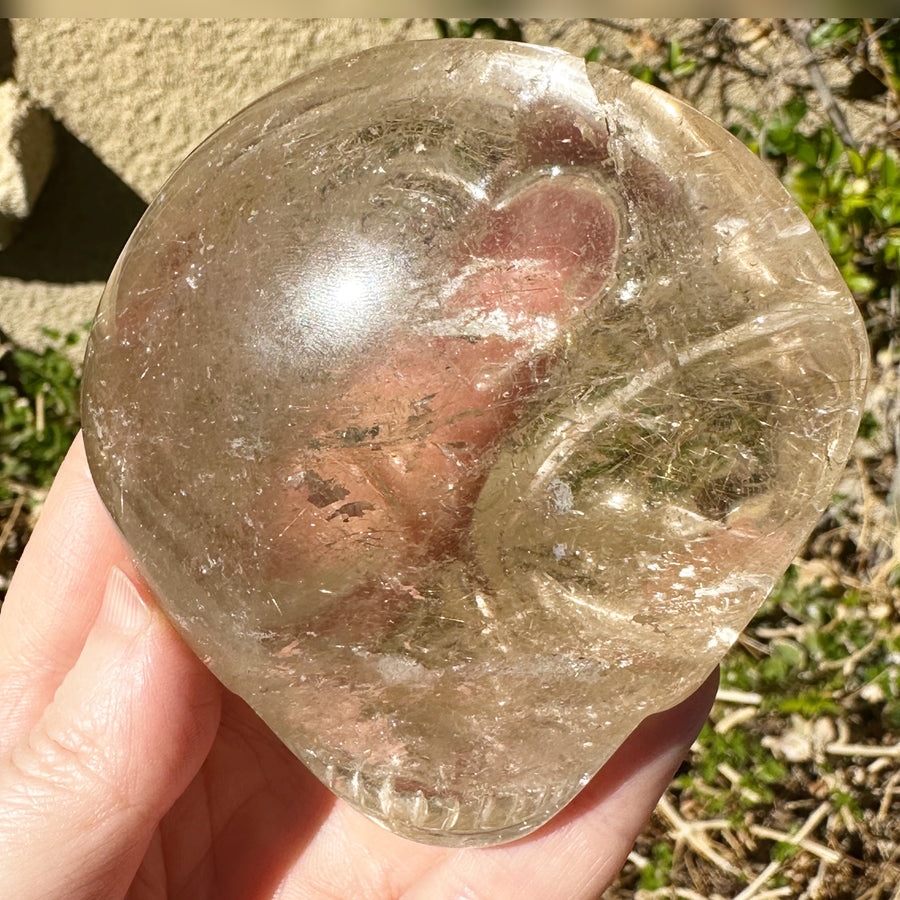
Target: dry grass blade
x: 692, y: 834
x: 10, y: 522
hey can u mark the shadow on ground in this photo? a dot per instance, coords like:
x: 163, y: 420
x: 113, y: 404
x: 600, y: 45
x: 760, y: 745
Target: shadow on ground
x: 80, y: 222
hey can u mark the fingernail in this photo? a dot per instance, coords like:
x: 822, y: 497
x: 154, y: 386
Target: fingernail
x: 123, y: 606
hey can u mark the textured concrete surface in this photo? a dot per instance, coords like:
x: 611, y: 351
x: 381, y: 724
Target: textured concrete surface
x: 142, y: 94
x: 131, y: 98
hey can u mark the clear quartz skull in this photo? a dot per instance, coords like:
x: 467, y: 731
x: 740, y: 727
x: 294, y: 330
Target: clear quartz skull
x: 461, y: 402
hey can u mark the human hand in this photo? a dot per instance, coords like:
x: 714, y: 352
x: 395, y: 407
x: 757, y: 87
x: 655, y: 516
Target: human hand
x: 127, y: 770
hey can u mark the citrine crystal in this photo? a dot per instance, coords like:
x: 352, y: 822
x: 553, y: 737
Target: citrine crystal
x: 461, y: 402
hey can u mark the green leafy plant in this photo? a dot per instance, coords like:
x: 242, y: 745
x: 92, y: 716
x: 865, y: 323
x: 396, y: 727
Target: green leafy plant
x: 655, y: 874
x: 678, y: 64
x: 498, y: 29
x: 852, y: 197
x: 875, y: 42
x: 39, y: 418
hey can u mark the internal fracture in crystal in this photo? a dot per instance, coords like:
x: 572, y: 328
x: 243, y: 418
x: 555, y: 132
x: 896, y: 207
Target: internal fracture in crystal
x: 461, y: 402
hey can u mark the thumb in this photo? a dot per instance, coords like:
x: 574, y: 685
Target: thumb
x: 126, y: 731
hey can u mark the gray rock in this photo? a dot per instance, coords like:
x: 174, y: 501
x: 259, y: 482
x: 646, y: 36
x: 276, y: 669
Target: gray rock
x: 26, y: 155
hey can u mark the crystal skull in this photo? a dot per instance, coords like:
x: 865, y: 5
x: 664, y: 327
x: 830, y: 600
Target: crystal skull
x: 461, y: 402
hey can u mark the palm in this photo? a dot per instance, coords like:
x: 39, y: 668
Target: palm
x: 243, y: 820
x: 254, y: 817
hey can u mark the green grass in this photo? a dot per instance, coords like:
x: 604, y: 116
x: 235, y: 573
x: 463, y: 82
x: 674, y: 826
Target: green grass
x: 39, y: 418
x: 817, y: 674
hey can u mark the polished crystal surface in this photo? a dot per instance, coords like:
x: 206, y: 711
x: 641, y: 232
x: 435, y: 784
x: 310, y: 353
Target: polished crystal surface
x: 462, y: 402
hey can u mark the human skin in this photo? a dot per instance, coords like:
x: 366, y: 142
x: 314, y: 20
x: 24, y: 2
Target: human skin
x: 126, y: 770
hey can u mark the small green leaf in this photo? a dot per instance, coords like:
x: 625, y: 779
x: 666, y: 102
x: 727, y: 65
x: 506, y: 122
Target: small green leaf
x: 834, y: 31
x: 868, y: 426
x: 859, y: 283
x: 890, y: 170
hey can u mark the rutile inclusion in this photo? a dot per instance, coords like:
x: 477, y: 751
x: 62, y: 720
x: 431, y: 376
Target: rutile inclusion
x: 461, y: 402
